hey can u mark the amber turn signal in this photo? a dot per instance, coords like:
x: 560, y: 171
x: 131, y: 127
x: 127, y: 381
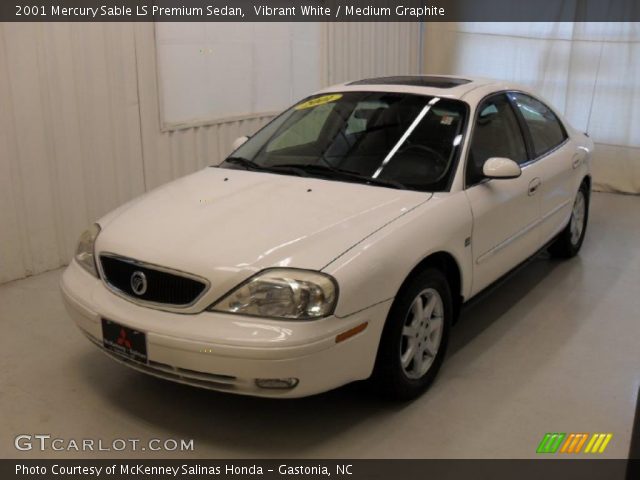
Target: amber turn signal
x: 351, y: 332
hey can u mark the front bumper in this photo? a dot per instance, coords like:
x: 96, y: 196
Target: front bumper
x: 229, y: 352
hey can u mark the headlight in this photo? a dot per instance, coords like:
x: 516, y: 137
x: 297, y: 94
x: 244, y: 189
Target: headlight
x: 283, y: 293
x: 84, y: 252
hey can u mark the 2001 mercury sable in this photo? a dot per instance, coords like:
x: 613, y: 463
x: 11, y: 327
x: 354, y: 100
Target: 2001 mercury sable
x: 337, y: 243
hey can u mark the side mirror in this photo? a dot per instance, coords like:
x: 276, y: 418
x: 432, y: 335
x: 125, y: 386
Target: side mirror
x: 501, y: 168
x: 237, y: 143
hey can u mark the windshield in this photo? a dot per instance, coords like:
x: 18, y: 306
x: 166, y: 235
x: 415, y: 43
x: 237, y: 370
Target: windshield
x: 389, y: 139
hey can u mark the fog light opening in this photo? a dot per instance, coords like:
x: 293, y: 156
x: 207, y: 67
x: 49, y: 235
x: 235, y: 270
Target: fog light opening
x: 276, y: 383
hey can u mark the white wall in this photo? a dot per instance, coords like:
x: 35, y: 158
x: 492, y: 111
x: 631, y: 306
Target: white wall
x: 364, y: 49
x: 69, y: 136
x: 80, y: 125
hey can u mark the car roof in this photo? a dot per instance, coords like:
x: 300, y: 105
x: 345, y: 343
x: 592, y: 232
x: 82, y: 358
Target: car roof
x: 445, y: 86
x: 433, y: 81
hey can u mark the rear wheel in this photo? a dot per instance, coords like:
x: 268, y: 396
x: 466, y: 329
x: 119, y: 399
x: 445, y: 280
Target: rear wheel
x: 570, y: 239
x: 415, y: 337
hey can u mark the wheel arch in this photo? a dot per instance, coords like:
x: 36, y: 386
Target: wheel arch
x: 586, y: 180
x: 450, y: 267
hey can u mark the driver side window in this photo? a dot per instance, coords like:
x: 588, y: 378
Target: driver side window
x: 496, y: 133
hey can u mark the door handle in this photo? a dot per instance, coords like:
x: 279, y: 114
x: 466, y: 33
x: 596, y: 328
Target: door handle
x: 534, y: 185
x: 577, y: 160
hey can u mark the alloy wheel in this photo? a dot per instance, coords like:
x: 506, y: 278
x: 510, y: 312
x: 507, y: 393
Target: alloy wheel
x: 577, y: 218
x: 422, y: 333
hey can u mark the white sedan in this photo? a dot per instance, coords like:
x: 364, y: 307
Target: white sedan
x: 336, y: 244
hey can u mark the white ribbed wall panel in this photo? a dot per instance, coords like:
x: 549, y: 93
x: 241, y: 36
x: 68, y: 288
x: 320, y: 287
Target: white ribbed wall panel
x: 80, y: 124
x: 69, y: 136
x: 366, y: 49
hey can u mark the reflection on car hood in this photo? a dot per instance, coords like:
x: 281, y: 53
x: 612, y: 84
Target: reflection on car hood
x: 228, y: 224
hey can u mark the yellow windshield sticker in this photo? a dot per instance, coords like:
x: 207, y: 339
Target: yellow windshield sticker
x: 314, y: 102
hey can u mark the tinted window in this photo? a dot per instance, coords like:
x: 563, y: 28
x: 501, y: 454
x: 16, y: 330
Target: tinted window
x: 305, y: 131
x: 495, y: 134
x: 429, y: 151
x: 412, y: 140
x: 544, y: 127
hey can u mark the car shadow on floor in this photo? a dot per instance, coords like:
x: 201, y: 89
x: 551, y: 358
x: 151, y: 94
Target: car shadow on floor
x: 246, y: 426
x: 491, y: 305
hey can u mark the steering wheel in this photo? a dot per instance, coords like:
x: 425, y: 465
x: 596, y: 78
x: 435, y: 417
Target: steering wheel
x: 439, y: 158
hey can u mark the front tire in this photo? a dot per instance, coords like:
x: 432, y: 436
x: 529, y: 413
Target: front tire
x: 570, y: 240
x: 415, y: 337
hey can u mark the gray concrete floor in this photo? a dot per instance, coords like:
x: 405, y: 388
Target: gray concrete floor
x: 554, y: 350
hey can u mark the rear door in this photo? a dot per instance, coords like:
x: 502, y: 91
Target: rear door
x: 554, y: 156
x: 506, y: 212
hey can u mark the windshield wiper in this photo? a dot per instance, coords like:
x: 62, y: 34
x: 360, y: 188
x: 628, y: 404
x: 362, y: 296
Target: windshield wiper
x: 343, y: 174
x: 305, y: 170
x: 251, y: 165
x: 244, y: 162
x: 327, y: 167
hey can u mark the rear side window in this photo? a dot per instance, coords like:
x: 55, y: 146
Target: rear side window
x: 545, y: 129
x: 496, y: 134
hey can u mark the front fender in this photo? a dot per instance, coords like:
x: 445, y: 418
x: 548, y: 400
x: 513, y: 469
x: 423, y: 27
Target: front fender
x: 374, y: 270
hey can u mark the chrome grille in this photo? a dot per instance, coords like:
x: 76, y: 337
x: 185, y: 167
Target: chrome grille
x: 161, y: 286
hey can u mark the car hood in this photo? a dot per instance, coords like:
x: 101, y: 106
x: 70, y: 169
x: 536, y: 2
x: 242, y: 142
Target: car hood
x: 226, y: 225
